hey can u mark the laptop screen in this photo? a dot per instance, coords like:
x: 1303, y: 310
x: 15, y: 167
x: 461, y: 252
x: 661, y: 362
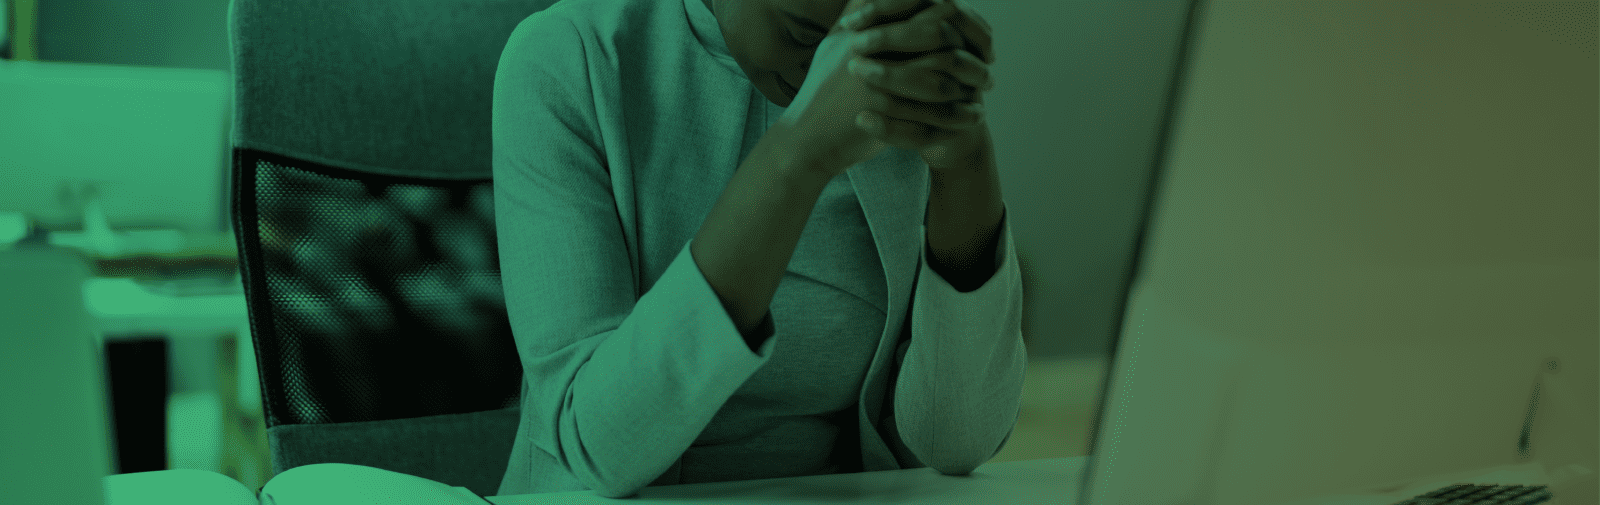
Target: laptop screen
x: 1182, y: 56
x: 1367, y: 259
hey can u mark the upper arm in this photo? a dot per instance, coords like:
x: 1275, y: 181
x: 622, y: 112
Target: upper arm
x: 564, y: 265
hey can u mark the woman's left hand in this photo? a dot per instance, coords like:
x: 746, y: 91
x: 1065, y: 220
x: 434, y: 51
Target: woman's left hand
x: 952, y: 49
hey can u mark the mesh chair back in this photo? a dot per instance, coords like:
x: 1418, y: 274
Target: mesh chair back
x: 378, y: 297
x: 364, y: 214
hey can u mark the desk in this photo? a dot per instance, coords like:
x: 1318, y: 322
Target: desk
x: 213, y: 405
x: 1045, y: 481
x: 1051, y: 481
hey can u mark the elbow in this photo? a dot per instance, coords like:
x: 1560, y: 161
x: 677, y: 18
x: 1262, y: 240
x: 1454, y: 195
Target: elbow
x: 614, y: 487
x: 956, y: 470
x: 595, y: 465
x: 611, y: 484
x: 946, y: 458
x: 956, y: 467
x: 617, y: 491
x: 954, y: 456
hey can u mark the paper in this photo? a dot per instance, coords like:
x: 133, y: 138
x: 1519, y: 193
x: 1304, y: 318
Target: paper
x: 338, y: 483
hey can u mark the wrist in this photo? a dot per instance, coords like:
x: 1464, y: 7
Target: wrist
x: 973, y: 157
x: 790, y: 154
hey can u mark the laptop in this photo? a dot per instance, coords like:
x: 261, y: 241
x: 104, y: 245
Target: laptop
x: 1370, y: 307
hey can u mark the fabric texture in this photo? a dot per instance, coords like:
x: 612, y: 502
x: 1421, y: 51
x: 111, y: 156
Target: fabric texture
x: 378, y: 319
x: 617, y: 124
x: 423, y: 69
x: 827, y: 315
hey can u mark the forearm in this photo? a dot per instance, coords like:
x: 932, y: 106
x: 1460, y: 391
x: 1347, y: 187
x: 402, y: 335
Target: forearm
x: 959, y: 386
x: 747, y: 239
x: 963, y: 221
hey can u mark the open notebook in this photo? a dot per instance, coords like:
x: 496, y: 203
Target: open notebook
x: 324, y: 483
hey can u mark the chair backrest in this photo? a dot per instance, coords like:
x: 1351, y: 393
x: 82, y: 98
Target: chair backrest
x: 364, y: 215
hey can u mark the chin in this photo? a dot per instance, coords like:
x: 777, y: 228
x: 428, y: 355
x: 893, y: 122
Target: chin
x: 780, y: 93
x: 783, y: 101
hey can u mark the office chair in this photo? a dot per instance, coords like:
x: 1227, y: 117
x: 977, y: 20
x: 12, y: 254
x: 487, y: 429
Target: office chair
x: 365, y: 223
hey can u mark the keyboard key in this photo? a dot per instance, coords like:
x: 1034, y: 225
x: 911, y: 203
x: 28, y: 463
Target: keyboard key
x: 1512, y: 492
x: 1457, y: 494
x: 1439, y: 493
x: 1540, y: 496
x: 1486, y: 494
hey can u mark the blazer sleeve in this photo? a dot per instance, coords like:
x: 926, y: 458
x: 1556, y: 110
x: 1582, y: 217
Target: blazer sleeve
x: 618, y: 384
x: 958, y: 390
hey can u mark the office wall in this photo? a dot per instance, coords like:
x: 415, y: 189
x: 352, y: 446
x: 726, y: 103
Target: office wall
x: 142, y: 124
x: 1075, y: 113
x: 150, y: 142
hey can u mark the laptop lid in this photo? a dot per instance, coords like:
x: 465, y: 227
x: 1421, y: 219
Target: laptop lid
x: 1369, y: 258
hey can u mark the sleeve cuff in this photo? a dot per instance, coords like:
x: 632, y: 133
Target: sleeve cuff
x: 761, y: 336
x: 1002, y: 252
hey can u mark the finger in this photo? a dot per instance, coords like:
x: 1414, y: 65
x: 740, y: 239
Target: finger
x: 923, y: 32
x: 857, y: 19
x: 969, y: 70
x: 893, y: 11
x: 938, y: 77
x: 975, y: 30
x: 947, y: 115
x: 904, y: 134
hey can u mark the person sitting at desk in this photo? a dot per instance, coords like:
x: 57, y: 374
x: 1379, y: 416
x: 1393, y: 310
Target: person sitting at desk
x: 658, y: 172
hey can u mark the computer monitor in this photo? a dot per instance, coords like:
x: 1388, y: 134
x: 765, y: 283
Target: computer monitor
x: 1369, y: 258
x: 151, y: 143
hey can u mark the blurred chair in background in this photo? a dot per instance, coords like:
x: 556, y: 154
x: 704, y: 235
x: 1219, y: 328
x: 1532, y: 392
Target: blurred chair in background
x: 364, y: 215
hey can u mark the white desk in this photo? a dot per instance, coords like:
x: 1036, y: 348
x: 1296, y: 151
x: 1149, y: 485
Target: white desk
x: 1052, y: 481
x: 121, y: 306
x: 1045, y: 481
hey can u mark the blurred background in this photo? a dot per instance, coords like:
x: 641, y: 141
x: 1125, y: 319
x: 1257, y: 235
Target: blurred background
x: 114, y: 124
x: 114, y: 128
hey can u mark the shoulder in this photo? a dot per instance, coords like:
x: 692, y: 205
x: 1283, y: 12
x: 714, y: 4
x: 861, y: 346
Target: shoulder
x: 568, y: 25
x: 553, y: 30
x: 548, y: 49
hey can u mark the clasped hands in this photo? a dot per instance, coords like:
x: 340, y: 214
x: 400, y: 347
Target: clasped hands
x: 928, y: 61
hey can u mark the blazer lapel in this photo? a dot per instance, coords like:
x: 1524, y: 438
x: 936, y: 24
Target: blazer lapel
x: 893, y: 197
x: 893, y: 189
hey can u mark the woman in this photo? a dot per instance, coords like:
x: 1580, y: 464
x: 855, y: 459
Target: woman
x: 701, y: 287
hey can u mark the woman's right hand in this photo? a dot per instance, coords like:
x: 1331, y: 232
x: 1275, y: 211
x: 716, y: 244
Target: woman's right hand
x: 821, y: 120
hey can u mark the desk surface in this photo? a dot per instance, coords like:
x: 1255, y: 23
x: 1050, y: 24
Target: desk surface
x: 1052, y: 481
x: 1043, y: 481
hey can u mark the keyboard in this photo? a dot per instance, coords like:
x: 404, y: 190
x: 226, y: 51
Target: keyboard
x: 1482, y: 494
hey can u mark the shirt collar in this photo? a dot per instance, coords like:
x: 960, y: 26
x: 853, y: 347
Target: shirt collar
x: 705, y: 27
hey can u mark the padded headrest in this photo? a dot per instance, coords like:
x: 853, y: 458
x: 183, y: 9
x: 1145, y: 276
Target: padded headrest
x: 397, y: 87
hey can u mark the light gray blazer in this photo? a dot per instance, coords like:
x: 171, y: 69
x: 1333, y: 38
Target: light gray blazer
x: 617, y: 123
